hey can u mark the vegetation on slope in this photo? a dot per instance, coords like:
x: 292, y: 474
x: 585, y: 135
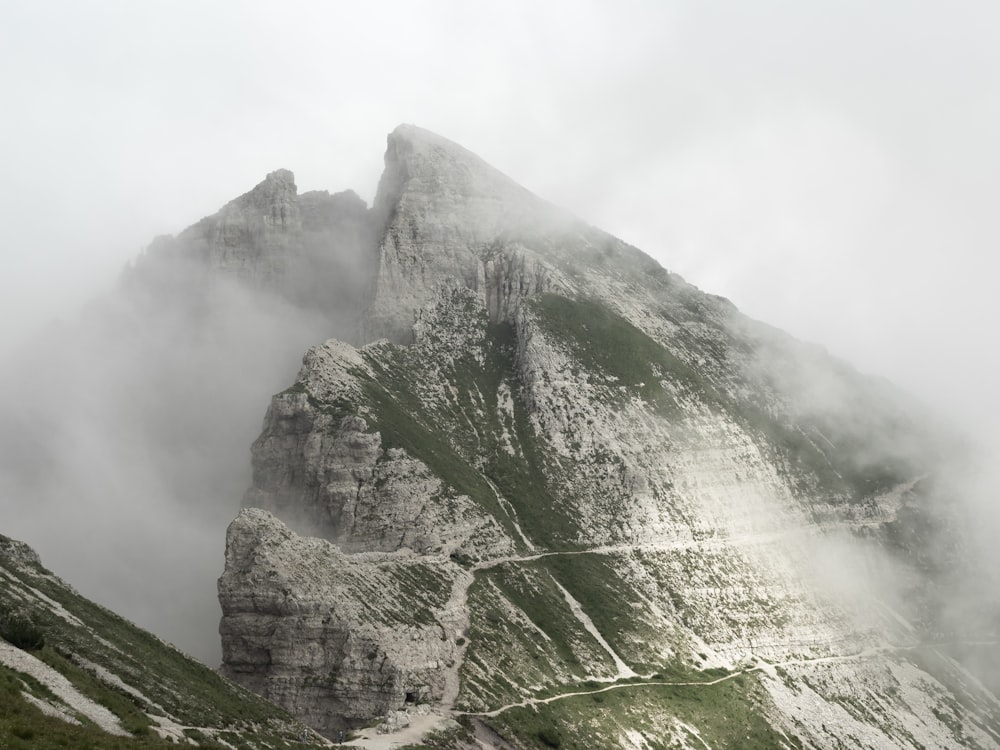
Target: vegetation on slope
x: 123, y: 668
x: 731, y: 713
x: 822, y: 454
x: 459, y: 440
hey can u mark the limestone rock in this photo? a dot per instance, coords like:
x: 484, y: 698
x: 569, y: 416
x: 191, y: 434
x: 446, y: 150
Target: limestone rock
x: 320, y: 465
x: 336, y: 638
x: 448, y: 215
x: 315, y: 251
x: 249, y: 237
x: 589, y: 470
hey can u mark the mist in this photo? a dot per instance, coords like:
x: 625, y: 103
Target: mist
x: 127, y: 432
x: 829, y: 167
x: 906, y: 505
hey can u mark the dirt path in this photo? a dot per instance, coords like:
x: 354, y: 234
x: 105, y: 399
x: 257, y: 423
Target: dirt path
x: 616, y: 686
x: 420, y: 726
x: 762, y: 666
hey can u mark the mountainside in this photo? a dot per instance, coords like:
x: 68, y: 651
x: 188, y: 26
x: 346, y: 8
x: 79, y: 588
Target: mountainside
x: 73, y: 674
x: 536, y: 491
x: 561, y: 469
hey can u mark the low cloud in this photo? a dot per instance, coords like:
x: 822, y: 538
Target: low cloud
x: 126, y: 443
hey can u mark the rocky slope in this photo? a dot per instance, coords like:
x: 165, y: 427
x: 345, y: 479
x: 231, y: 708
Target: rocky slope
x: 561, y: 468
x: 73, y: 674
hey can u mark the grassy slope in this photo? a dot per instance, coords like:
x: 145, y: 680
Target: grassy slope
x: 171, y: 682
x: 729, y: 714
x: 819, y: 453
x: 459, y: 439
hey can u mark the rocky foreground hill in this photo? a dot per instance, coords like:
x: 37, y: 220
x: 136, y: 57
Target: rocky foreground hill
x: 546, y: 491
x: 75, y: 675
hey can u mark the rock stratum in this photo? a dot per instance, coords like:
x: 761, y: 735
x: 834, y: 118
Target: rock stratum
x: 545, y: 488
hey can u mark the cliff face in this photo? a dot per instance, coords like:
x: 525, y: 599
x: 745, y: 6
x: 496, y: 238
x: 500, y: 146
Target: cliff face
x: 343, y: 638
x: 567, y: 467
x: 445, y: 214
x: 161, y: 383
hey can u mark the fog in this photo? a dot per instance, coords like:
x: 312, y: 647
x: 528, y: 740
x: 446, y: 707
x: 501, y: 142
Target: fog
x: 829, y: 167
x: 126, y: 439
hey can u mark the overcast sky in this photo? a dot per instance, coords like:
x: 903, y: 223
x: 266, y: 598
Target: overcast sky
x: 831, y: 167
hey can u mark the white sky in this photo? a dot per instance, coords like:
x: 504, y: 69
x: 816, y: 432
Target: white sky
x: 831, y: 167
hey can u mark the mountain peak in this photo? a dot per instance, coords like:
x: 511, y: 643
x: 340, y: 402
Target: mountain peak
x: 441, y: 212
x: 419, y: 160
x: 280, y: 176
x: 276, y: 192
x: 579, y: 469
x: 418, y: 137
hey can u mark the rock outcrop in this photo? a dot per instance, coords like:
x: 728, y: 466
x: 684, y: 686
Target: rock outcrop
x: 341, y: 637
x: 566, y: 464
x: 78, y: 675
x: 445, y: 214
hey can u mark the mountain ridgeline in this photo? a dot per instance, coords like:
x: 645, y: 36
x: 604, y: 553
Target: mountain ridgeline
x: 530, y: 482
x: 76, y: 675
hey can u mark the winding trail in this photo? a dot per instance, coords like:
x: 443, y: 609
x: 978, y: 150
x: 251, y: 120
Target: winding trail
x: 761, y: 666
x: 439, y: 717
x: 607, y: 689
x: 457, y: 625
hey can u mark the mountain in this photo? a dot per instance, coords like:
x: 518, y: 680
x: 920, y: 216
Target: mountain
x: 536, y: 491
x: 76, y: 675
x: 559, y: 493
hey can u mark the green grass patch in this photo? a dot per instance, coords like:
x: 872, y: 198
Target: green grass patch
x: 529, y: 587
x: 460, y: 441
x: 403, y: 422
x: 24, y: 727
x: 596, y: 584
x: 827, y: 452
x: 507, y: 657
x: 131, y: 715
x: 599, y: 337
x: 725, y: 715
x: 524, y: 479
